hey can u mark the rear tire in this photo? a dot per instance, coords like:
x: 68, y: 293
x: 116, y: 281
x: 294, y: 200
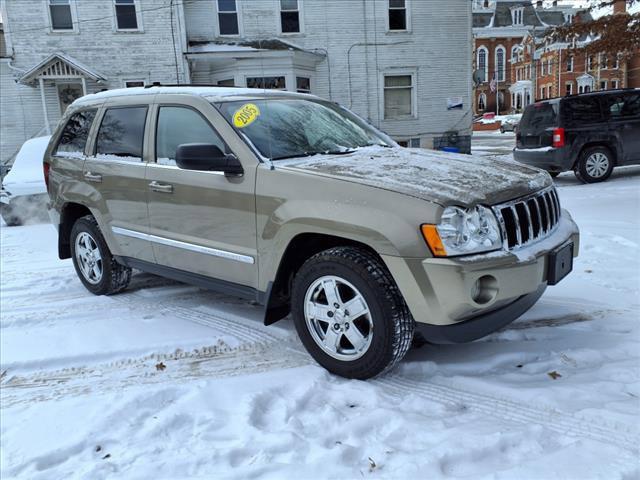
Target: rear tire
x: 363, y: 343
x: 595, y: 165
x: 97, y: 269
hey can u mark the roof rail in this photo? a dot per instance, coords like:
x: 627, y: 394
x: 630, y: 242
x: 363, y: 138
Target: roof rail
x: 158, y: 84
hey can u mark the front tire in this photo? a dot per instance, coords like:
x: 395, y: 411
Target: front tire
x: 97, y: 269
x: 349, y: 313
x: 595, y: 165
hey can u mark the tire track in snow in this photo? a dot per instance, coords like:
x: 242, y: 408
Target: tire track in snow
x: 180, y: 367
x: 555, y: 420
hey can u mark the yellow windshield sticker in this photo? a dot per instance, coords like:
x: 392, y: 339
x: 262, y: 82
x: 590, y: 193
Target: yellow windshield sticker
x: 246, y: 115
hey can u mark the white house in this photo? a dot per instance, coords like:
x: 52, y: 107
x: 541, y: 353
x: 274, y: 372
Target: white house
x: 405, y: 65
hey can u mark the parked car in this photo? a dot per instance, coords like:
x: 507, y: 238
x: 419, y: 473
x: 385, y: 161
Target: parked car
x: 23, y: 196
x: 510, y: 123
x: 300, y: 205
x: 588, y: 133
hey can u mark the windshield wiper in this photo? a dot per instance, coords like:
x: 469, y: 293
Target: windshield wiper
x: 310, y: 154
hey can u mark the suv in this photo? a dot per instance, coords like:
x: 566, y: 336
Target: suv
x: 300, y: 205
x: 589, y: 134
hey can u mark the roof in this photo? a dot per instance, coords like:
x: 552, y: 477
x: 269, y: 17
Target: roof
x: 210, y: 93
x: 243, y: 46
x: 75, y: 68
x: 482, y: 19
x: 551, y: 17
x: 502, y: 16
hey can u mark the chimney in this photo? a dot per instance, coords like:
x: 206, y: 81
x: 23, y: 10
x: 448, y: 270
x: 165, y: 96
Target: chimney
x: 619, y: 6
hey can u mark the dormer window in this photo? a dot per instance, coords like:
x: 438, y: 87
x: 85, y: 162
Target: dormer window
x: 517, y: 15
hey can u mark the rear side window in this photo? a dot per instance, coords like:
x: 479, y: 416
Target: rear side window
x: 539, y: 116
x: 580, y: 110
x: 121, y: 134
x: 178, y: 125
x: 623, y: 106
x: 74, y: 135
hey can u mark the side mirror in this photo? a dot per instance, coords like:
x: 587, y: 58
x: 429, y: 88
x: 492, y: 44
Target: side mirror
x: 207, y: 157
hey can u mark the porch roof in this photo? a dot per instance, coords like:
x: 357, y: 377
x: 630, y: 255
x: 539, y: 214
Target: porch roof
x: 59, y: 66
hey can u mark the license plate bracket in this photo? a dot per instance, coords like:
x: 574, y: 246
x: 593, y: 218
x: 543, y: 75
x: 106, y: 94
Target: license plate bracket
x: 560, y: 264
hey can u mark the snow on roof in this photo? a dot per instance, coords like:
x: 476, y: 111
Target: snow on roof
x: 211, y: 93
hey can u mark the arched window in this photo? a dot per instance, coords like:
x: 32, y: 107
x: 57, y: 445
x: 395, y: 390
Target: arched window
x: 482, y: 102
x: 500, y: 63
x: 483, y: 64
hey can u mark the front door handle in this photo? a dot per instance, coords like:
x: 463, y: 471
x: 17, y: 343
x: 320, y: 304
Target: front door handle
x: 93, y: 177
x: 161, y: 187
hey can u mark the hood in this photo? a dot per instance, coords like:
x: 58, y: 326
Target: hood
x: 447, y: 179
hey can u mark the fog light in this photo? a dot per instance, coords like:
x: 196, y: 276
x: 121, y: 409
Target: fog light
x: 484, y: 290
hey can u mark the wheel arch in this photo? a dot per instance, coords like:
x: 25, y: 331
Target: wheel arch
x: 69, y: 214
x: 300, y: 248
x: 594, y: 144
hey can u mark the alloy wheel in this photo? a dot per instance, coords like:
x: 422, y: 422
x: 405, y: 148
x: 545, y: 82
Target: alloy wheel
x: 597, y: 165
x: 89, y: 258
x: 338, y: 318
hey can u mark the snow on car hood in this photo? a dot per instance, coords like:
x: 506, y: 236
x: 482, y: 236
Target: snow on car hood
x: 430, y: 175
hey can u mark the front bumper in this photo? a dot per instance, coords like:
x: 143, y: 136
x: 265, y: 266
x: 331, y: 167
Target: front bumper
x: 440, y: 291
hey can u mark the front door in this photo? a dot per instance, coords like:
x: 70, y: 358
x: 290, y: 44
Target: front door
x: 67, y: 93
x: 623, y: 111
x: 116, y: 173
x: 200, y: 222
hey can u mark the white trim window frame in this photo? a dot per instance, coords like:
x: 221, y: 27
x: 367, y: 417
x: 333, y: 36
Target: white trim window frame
x: 543, y: 68
x: 569, y: 65
x: 517, y: 15
x: 286, y: 8
x: 398, y: 6
x: 131, y: 81
x: 127, y: 4
x: 501, y: 69
x: 412, y: 88
x: 223, y: 9
x: 480, y: 66
x: 603, y: 84
x: 615, y: 84
x: 482, y: 102
x: 542, y: 92
x: 73, y: 11
x: 570, y: 90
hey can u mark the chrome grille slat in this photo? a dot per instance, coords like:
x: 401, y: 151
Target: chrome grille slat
x: 517, y: 221
x: 520, y: 225
x: 529, y: 222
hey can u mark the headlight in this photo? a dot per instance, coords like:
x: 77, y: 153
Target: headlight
x: 463, y: 231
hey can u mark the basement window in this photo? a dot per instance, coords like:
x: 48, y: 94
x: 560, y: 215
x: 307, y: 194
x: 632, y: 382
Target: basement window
x: 398, y: 96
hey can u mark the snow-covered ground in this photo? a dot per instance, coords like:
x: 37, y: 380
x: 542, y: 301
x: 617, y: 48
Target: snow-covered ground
x: 170, y: 381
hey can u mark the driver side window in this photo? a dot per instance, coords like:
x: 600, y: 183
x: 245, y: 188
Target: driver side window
x: 179, y: 125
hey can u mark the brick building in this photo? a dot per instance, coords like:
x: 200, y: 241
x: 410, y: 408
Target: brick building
x: 548, y: 70
x: 499, y: 28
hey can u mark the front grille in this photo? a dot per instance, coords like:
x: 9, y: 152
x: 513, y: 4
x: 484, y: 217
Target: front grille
x: 529, y: 219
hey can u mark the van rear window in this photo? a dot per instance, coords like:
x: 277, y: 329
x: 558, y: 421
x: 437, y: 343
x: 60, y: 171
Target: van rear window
x: 540, y: 116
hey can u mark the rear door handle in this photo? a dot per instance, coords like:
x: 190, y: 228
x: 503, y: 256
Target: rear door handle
x: 161, y: 187
x: 93, y: 177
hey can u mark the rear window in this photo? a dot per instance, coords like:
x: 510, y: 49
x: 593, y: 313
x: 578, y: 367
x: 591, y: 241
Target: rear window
x: 623, y: 106
x: 74, y: 135
x: 581, y: 110
x: 539, y: 116
x: 121, y: 134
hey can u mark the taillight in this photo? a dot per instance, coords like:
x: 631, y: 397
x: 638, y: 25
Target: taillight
x: 558, y: 137
x: 46, y: 167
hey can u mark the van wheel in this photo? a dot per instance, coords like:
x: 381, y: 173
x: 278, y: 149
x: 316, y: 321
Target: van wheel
x: 349, y: 313
x: 98, y: 270
x: 595, y: 165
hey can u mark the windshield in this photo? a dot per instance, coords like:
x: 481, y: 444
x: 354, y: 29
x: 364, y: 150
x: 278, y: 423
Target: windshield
x: 290, y: 127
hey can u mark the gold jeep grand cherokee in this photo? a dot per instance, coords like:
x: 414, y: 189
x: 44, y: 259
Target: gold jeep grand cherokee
x: 297, y: 203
